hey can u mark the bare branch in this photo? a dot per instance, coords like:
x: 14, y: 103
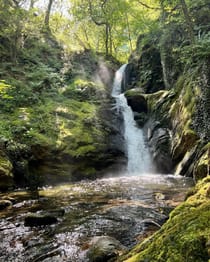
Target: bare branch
x: 147, y: 6
x: 99, y: 23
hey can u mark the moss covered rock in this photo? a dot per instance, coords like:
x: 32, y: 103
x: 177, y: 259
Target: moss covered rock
x: 186, y: 142
x: 184, y: 237
x: 136, y: 101
x: 104, y: 248
x: 202, y: 165
x: 6, y: 177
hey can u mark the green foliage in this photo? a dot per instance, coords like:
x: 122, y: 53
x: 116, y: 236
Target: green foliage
x: 194, y: 54
x: 82, y: 90
x: 125, y: 19
x: 4, y: 90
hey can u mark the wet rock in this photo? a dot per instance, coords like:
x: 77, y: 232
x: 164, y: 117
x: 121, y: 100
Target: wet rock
x: 159, y: 141
x: 128, y: 77
x: 104, y: 248
x: 5, y: 204
x: 185, y: 167
x: 35, y: 219
x: 140, y: 118
x: 136, y: 101
x: 186, y: 142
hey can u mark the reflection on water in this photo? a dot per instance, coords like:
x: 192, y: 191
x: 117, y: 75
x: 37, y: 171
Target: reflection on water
x: 121, y: 207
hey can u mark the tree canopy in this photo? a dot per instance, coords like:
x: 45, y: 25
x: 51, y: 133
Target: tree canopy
x: 107, y: 26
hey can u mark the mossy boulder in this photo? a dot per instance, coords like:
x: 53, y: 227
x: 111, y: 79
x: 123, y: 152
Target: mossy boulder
x: 6, y: 176
x: 184, y: 237
x: 104, y: 248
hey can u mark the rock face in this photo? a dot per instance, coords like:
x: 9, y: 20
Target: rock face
x: 104, y: 249
x: 128, y: 77
x: 178, y: 133
x: 146, y: 68
x: 159, y: 143
x: 178, y: 126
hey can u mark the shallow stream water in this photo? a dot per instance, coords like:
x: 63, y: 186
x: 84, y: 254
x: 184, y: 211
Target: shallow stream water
x: 121, y: 207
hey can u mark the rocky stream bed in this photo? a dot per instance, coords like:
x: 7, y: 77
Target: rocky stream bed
x: 61, y: 223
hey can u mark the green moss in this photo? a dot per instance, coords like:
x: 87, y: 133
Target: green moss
x: 134, y: 92
x: 82, y: 90
x: 156, y: 99
x: 184, y: 237
x: 6, y: 177
x: 185, y: 142
x: 203, y: 163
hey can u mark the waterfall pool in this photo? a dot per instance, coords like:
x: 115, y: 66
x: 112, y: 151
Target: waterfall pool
x: 121, y: 207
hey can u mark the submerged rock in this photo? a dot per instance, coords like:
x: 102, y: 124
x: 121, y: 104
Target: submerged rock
x: 35, y: 219
x: 5, y: 204
x: 104, y: 248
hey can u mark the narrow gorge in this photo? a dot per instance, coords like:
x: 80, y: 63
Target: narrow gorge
x: 105, y: 131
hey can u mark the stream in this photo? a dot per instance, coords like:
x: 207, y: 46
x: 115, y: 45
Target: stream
x: 127, y: 207
x: 121, y: 207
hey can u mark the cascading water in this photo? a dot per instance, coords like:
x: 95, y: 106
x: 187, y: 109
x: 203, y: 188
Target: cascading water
x: 139, y: 160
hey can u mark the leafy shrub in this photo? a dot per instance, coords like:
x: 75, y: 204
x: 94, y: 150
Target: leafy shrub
x: 191, y: 55
x: 82, y: 90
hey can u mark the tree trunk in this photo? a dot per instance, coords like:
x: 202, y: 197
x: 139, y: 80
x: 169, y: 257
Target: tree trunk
x: 47, y: 15
x: 107, y: 39
x: 32, y: 4
x: 129, y: 32
x: 163, y: 13
x: 188, y: 20
x: 110, y: 40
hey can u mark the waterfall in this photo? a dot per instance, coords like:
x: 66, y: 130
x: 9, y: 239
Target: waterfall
x: 139, y: 160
